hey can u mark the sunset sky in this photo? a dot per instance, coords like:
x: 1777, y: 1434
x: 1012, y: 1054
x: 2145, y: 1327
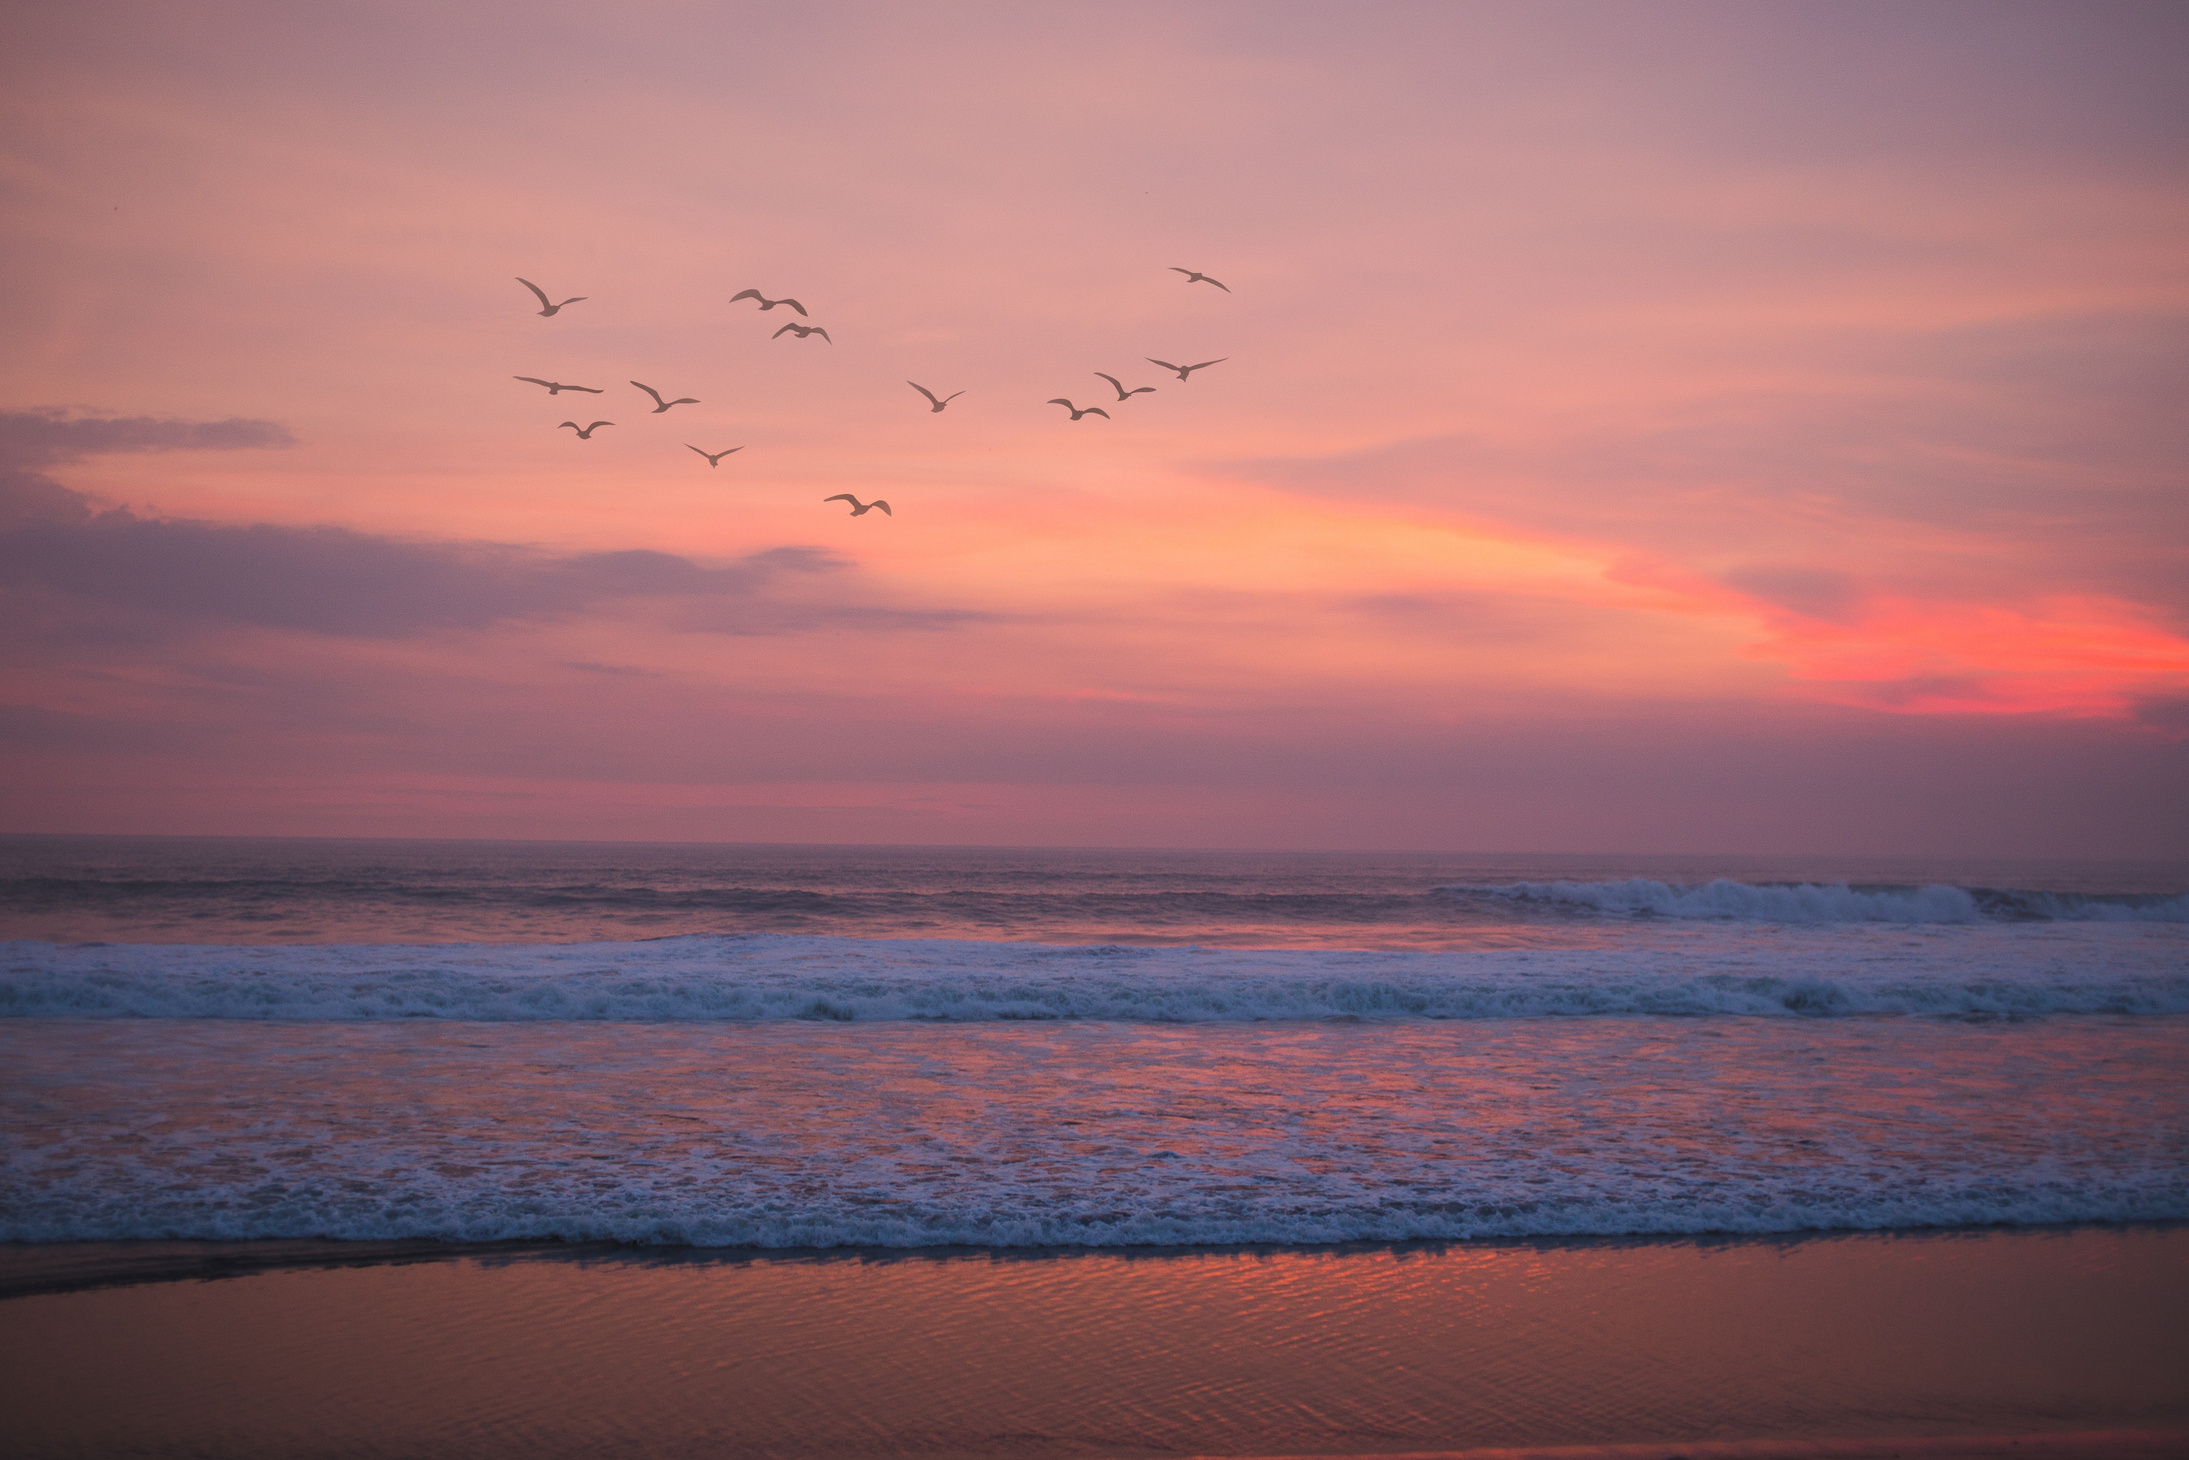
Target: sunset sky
x: 1643, y: 427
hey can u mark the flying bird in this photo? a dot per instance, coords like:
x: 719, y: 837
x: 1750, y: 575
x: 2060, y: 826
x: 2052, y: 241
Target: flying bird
x: 1124, y: 394
x: 554, y: 387
x: 1194, y: 278
x: 547, y: 309
x: 801, y: 330
x: 714, y: 458
x: 585, y: 433
x: 859, y: 508
x: 661, y: 405
x: 1078, y: 411
x: 767, y: 303
x: 923, y: 390
x: 1186, y: 370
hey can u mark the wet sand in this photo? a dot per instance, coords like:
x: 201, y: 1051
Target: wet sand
x: 1973, y: 1342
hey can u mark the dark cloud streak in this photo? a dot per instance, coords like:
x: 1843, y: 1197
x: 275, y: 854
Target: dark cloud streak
x: 331, y: 580
x: 326, y: 580
x: 46, y: 437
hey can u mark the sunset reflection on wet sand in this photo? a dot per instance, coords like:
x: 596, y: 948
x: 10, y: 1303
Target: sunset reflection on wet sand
x: 608, y: 1351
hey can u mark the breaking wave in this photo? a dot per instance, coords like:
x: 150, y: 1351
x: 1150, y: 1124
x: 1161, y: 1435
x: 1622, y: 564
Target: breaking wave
x: 1823, y: 902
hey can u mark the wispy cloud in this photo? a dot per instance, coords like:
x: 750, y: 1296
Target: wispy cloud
x: 43, y: 437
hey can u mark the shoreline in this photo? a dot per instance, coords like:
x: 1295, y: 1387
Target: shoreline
x: 2035, y: 1445
x: 29, y: 1269
x: 2044, y: 1343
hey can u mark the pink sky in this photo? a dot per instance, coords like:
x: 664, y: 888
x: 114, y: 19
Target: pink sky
x: 1683, y: 427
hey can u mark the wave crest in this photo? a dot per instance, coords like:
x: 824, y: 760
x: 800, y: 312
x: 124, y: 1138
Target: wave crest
x: 1826, y: 902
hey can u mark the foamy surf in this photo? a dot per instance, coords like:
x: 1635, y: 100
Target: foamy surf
x: 1082, y: 1134
x: 1849, y: 971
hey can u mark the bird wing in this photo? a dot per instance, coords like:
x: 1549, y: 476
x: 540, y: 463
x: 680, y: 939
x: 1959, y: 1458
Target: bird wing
x: 652, y: 392
x: 575, y: 299
x: 690, y: 400
x: 1119, y: 384
x: 946, y: 400
x: 878, y: 502
x: 1219, y: 283
x: 1096, y: 411
x: 842, y: 497
x: 745, y: 294
x: 573, y: 425
x: 688, y: 446
x: 1061, y: 401
x: 786, y: 329
x: 923, y: 390
x: 795, y: 305
x: 1187, y: 272
x: 600, y: 423
x: 535, y: 380
x: 537, y: 290
x: 1206, y: 363
x: 822, y: 333
x: 586, y: 388
x: 1164, y: 363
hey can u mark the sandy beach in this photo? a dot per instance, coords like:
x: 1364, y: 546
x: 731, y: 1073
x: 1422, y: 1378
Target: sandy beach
x: 2030, y: 1342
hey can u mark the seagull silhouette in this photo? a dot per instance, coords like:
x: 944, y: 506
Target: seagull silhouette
x: 714, y: 458
x: 661, y: 405
x: 1124, y: 394
x: 923, y: 390
x: 554, y: 386
x: 1078, y: 411
x: 1194, y: 278
x: 801, y: 330
x: 859, y: 508
x: 585, y: 433
x: 1186, y: 370
x: 547, y: 309
x: 767, y: 303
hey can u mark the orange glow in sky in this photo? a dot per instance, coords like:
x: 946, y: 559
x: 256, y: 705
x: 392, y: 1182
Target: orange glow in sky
x: 1636, y: 427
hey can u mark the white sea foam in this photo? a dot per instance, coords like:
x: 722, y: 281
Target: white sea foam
x: 787, y: 1135
x: 1980, y: 971
x: 1824, y: 902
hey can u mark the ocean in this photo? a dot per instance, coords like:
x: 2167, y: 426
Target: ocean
x: 910, y: 1048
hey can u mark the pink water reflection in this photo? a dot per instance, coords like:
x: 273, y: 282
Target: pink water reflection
x: 798, y: 1134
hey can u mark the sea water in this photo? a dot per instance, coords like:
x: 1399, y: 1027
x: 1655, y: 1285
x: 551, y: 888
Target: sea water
x: 813, y: 1047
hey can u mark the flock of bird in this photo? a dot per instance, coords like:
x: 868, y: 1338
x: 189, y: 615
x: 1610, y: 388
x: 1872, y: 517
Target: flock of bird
x: 549, y: 308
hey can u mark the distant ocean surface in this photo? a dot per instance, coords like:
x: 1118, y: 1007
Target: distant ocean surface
x: 808, y: 1046
x: 234, y: 891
